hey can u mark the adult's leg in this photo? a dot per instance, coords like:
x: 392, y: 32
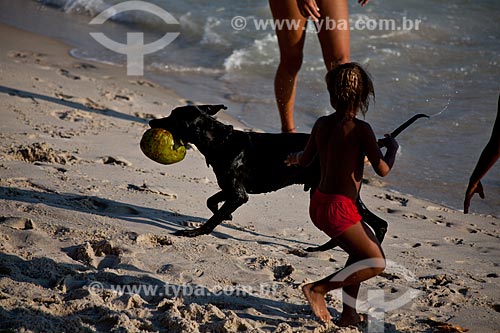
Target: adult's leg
x: 366, y: 260
x: 291, y: 44
x: 334, y: 32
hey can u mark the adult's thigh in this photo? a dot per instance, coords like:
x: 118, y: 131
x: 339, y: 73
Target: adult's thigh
x: 290, y: 28
x: 334, y: 32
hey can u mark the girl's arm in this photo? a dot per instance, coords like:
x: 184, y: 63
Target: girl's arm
x: 382, y: 164
x: 305, y: 157
x: 311, y: 150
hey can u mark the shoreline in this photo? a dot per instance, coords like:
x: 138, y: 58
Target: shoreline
x: 86, y: 211
x: 447, y: 172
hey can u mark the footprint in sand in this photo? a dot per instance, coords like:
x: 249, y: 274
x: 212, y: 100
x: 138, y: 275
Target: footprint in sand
x: 234, y: 250
x: 393, y: 198
x: 415, y: 216
x: 72, y: 115
x: 165, y: 269
x: 454, y: 240
x: 145, y: 116
x: 41, y: 152
x: 152, y: 240
x: 102, y: 254
x: 388, y: 210
x: 103, y: 206
x: 116, y: 97
x: 473, y: 231
x: 84, y: 65
x: 438, y: 209
x: 144, y: 83
x: 63, y: 96
x: 26, y: 57
x: 18, y: 223
x: 115, y: 161
x: 68, y: 74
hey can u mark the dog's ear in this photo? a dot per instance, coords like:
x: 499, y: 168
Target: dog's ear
x: 211, y: 109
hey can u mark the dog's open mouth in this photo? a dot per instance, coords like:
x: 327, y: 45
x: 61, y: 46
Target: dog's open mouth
x: 177, y: 143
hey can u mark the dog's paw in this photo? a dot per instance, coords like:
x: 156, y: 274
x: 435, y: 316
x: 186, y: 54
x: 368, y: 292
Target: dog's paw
x: 312, y: 249
x: 190, y: 232
x: 324, y: 247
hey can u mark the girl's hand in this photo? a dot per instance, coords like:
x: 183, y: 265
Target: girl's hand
x: 389, y: 142
x: 309, y: 8
x: 293, y: 158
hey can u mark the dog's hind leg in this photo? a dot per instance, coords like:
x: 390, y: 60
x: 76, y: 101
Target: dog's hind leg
x: 378, y: 225
x: 324, y: 247
x: 213, y: 203
x: 227, y: 209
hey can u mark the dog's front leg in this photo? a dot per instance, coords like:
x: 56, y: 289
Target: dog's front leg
x: 213, y: 203
x: 227, y: 209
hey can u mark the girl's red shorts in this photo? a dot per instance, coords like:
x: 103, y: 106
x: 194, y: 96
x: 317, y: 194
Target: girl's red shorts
x: 333, y: 213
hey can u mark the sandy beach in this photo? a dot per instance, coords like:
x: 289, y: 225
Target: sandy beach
x: 86, y: 224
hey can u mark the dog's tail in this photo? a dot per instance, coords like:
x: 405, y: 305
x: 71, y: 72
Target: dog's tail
x: 405, y: 125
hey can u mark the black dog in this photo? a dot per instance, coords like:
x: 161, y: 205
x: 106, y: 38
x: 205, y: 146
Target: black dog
x: 246, y: 163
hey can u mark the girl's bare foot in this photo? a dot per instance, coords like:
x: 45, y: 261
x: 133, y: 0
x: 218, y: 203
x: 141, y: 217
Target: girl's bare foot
x: 317, y: 302
x: 348, y: 319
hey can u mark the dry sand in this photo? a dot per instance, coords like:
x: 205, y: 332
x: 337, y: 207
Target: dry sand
x: 83, y: 212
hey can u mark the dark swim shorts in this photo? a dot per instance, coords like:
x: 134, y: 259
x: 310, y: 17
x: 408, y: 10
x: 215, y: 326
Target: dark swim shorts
x: 333, y: 213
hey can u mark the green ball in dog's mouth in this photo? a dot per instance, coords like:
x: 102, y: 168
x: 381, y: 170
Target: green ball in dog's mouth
x: 159, y: 145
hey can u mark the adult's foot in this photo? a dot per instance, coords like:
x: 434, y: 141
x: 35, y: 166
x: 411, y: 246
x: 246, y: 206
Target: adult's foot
x: 289, y: 130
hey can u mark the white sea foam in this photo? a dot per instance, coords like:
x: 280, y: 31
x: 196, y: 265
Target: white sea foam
x: 90, y: 7
x: 186, y: 69
x: 261, y: 52
x: 210, y: 34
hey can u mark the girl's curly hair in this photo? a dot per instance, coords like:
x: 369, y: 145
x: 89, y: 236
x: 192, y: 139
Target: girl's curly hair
x: 350, y: 87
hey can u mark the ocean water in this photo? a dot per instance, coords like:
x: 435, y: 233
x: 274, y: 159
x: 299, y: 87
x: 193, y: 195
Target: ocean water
x: 449, y: 67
